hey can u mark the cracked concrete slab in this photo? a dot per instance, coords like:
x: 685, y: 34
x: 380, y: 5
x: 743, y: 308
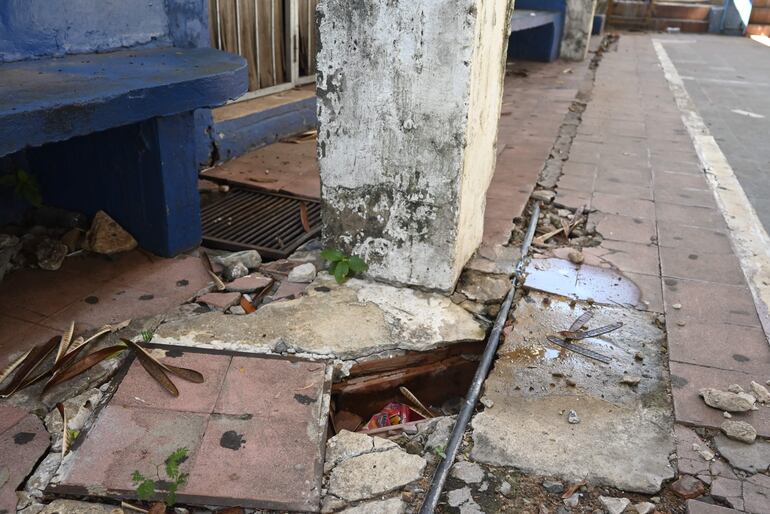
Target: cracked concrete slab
x: 349, y: 321
x: 625, y: 433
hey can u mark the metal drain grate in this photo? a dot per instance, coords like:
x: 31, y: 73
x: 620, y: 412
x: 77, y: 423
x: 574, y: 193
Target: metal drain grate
x: 270, y: 223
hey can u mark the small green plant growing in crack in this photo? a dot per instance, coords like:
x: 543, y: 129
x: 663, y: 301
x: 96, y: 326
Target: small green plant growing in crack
x: 439, y: 451
x: 24, y: 185
x: 147, y: 336
x: 145, y: 487
x: 343, y: 266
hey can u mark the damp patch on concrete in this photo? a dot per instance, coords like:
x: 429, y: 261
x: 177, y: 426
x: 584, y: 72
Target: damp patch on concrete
x: 625, y: 430
x: 251, y: 443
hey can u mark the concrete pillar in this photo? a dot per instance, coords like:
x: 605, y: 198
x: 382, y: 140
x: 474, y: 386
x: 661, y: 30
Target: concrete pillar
x: 409, y: 95
x: 578, y: 23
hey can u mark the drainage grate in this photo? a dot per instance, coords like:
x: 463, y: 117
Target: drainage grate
x: 251, y: 219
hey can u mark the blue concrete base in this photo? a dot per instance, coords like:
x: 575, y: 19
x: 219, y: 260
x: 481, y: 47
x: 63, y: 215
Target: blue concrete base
x: 536, y: 44
x: 144, y: 175
x: 219, y: 142
x: 598, y: 26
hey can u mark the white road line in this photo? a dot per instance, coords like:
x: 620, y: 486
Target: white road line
x: 727, y: 82
x: 750, y: 240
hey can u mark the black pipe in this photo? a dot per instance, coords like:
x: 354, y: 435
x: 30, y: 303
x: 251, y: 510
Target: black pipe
x: 439, y: 478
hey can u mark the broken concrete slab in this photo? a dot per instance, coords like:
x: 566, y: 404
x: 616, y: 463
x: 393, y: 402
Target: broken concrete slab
x: 349, y: 321
x: 581, y: 282
x: 21, y: 446
x: 752, y: 458
x: 347, y: 445
x: 219, y: 301
x: 78, y: 507
x: 483, y: 287
x: 534, y: 385
x: 372, y: 474
x: 391, y: 506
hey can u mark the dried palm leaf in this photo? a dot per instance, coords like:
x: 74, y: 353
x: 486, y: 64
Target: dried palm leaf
x: 417, y: 405
x: 210, y: 269
x: 64, y: 344
x: 66, y: 440
x: 12, y: 366
x: 32, y: 361
x: 304, y: 217
x: 86, y: 363
x: 184, y: 373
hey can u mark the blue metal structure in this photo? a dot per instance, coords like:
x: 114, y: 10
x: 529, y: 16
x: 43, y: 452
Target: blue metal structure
x: 114, y: 130
x: 536, y: 29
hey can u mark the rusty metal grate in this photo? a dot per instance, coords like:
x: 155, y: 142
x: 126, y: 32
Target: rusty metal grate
x: 270, y: 223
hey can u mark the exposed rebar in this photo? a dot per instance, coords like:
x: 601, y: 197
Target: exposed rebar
x: 439, y: 478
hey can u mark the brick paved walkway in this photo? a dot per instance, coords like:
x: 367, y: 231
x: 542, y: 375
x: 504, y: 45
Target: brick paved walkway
x: 634, y: 162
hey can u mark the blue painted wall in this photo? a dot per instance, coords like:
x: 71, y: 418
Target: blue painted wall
x: 32, y: 29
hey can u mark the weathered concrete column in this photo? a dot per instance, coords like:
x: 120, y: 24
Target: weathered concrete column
x: 578, y: 23
x: 409, y: 95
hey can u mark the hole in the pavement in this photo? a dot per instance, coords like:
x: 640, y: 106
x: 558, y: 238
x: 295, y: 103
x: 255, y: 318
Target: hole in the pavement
x: 438, y: 380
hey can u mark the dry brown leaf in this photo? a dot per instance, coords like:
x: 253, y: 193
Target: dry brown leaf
x: 64, y: 344
x: 33, y: 360
x: 247, y: 305
x: 210, y: 269
x: 156, y: 372
x: 12, y: 366
x: 303, y: 216
x: 86, y: 363
x: 66, y: 441
x: 572, y: 489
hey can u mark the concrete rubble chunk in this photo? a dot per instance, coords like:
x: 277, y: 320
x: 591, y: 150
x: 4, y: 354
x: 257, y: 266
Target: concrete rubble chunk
x: 751, y: 458
x: 78, y: 507
x: 457, y: 497
x: 106, y: 236
x: 50, y: 254
x: 391, y: 506
x: 468, y: 472
x: 411, y: 204
x: 760, y: 392
x: 483, y: 287
x: 347, y: 445
x: 372, y: 474
x: 249, y: 258
x: 235, y: 271
x: 353, y: 320
x: 249, y: 283
x: 644, y: 507
x: 727, y: 401
x: 614, y: 505
x: 303, y: 274
x: 577, y: 29
x: 739, y: 430
x: 688, y: 487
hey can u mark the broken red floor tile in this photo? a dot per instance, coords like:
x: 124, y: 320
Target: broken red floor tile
x: 21, y: 446
x: 220, y: 301
x: 688, y: 487
x: 698, y: 507
x: 138, y: 389
x: 728, y: 347
x: 125, y: 439
x: 249, y: 283
x: 288, y: 290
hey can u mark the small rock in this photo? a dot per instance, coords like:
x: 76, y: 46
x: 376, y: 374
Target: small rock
x: 572, y: 501
x: 688, y: 487
x: 639, y: 356
x: 543, y: 195
x: 236, y: 309
x: 249, y: 258
x: 505, y: 488
x: 614, y: 505
x: 553, y: 486
x: 727, y: 401
x: 735, y: 388
x: 303, y: 274
x: 644, y: 507
x: 486, y: 402
x: 676, y: 306
x: 468, y: 472
x: 235, y: 271
x: 570, y: 382
x: 727, y: 415
x: 457, y: 497
x: 575, y: 257
x: 760, y: 392
x: 739, y: 430
x: 681, y: 323
x: 573, y: 418
x: 107, y: 237
x: 220, y: 301
x: 50, y: 254
x: 631, y: 380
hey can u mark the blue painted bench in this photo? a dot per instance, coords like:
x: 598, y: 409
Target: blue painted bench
x: 536, y: 30
x: 115, y: 131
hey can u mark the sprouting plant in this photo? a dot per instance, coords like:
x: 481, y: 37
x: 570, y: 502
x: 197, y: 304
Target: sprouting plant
x: 343, y: 266
x: 24, y: 185
x: 147, y: 335
x: 145, y: 487
x: 439, y: 451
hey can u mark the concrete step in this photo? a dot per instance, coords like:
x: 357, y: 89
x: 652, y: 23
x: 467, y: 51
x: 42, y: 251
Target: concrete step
x: 691, y: 26
x: 760, y: 15
x: 755, y: 29
x: 696, y: 12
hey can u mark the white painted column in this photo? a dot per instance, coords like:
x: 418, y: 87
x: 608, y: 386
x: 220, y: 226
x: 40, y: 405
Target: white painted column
x: 578, y: 23
x: 409, y: 96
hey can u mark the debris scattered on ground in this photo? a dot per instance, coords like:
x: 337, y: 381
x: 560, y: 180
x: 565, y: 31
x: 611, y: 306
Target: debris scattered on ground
x: 760, y: 392
x: 688, y: 487
x: 235, y: 271
x: 727, y: 401
x: 303, y: 274
x: 614, y: 505
x: 249, y: 258
x: 106, y: 236
x: 739, y: 430
x: 573, y: 418
x: 468, y: 472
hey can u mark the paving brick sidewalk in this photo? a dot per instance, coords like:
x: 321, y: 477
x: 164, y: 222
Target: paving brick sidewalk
x: 634, y: 162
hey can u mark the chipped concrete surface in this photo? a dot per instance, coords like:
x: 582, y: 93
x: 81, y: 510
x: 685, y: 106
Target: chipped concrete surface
x: 625, y: 434
x: 355, y: 320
